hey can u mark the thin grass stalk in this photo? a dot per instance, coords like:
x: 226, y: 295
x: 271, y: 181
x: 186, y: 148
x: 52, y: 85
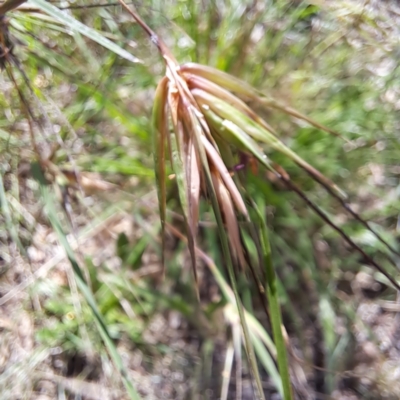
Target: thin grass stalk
x: 227, y: 371
x: 274, y: 307
x: 257, y: 331
x: 227, y: 256
x: 238, y: 357
x: 322, y: 214
x: 268, y: 363
x: 248, y: 344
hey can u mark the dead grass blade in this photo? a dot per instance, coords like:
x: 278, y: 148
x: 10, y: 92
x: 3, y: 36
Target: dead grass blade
x: 218, y: 163
x: 229, y: 217
x: 183, y: 189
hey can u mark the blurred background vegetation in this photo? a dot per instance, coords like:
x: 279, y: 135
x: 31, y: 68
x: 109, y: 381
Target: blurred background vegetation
x: 79, y: 179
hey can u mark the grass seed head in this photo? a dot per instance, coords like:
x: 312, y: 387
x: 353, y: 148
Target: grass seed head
x: 202, y: 105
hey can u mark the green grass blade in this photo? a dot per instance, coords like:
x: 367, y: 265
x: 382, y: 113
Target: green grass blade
x: 275, y: 311
x: 226, y: 374
x: 268, y: 363
x: 257, y: 132
x: 250, y: 131
x: 227, y: 256
x: 228, y: 97
x: 234, y: 135
x: 83, y: 29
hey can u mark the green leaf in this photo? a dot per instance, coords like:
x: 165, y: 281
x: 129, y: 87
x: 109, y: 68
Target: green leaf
x: 83, y: 29
x: 274, y: 307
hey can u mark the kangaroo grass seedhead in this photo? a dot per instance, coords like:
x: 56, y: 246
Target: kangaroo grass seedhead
x: 200, y: 116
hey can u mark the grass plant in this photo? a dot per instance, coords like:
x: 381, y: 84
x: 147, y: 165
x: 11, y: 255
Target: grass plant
x: 259, y: 154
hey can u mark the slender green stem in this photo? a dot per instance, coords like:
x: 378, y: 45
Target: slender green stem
x: 274, y: 308
x: 227, y: 256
